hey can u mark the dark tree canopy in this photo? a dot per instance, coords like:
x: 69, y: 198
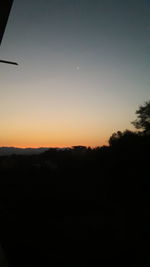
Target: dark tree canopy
x: 123, y: 138
x: 143, y: 118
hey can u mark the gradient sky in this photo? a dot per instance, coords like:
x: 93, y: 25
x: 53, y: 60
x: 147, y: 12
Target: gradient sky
x: 84, y: 68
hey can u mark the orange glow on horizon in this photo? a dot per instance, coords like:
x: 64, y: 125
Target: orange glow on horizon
x: 26, y: 134
x: 53, y: 144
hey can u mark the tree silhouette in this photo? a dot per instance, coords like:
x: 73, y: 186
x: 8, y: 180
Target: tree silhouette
x: 143, y: 120
x: 124, y: 138
x: 114, y: 138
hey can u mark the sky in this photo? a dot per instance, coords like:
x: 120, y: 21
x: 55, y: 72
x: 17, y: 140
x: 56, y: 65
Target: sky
x: 84, y: 69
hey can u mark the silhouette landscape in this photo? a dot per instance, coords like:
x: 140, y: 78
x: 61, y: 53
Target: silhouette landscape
x: 74, y: 165
x: 78, y: 206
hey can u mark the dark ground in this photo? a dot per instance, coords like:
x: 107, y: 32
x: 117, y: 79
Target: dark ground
x: 78, y: 207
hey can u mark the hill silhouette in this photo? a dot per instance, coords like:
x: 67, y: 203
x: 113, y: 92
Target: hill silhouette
x: 5, y: 151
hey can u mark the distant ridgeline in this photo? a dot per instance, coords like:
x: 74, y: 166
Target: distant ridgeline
x: 5, y: 151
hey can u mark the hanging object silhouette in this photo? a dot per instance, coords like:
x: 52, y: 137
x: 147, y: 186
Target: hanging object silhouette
x: 5, y: 8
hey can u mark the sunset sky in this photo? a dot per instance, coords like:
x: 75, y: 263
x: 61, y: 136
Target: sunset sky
x: 84, y: 68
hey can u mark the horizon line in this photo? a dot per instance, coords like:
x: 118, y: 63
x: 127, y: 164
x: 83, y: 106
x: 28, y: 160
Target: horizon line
x: 48, y: 147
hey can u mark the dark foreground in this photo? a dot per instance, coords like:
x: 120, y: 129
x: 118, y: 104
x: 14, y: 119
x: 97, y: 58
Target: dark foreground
x: 78, y: 207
